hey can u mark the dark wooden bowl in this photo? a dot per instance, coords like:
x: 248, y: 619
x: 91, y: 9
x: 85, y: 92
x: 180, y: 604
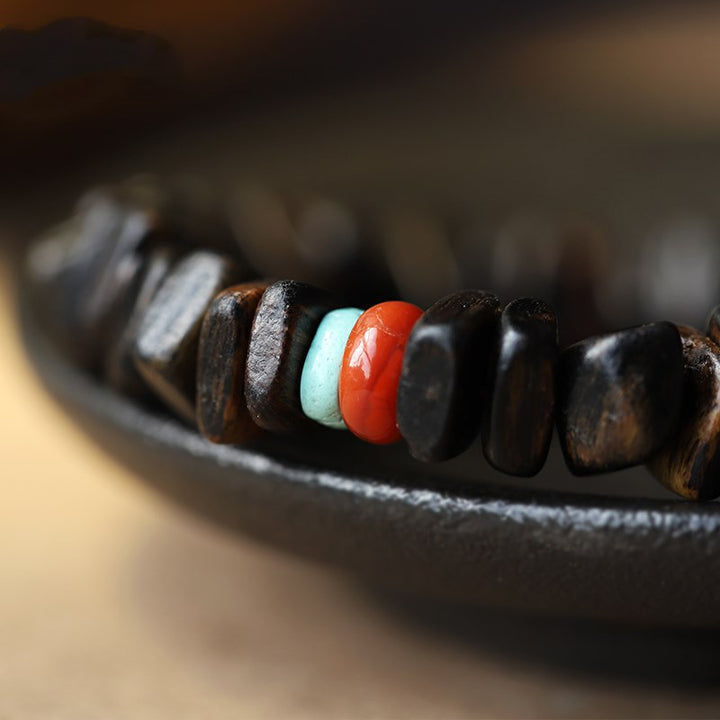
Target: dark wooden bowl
x: 412, y: 527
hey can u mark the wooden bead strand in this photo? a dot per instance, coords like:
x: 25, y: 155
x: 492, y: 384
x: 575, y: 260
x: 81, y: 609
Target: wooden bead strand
x: 125, y: 293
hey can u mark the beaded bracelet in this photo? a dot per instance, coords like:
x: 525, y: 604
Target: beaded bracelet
x: 156, y: 314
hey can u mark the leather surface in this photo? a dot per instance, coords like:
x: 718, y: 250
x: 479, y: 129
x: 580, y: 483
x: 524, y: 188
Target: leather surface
x: 641, y: 560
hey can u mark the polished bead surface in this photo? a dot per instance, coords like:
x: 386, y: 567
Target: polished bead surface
x: 321, y: 371
x: 689, y: 464
x: 441, y: 384
x: 618, y: 397
x: 222, y: 412
x: 371, y: 370
x: 166, y: 345
x: 519, y: 411
x: 285, y: 323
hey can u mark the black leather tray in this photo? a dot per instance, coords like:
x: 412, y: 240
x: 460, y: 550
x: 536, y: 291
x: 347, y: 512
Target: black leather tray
x: 484, y: 544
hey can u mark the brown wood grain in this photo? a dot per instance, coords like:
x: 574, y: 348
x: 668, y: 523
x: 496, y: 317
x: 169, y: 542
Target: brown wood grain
x: 519, y: 413
x: 285, y: 323
x: 442, y: 384
x: 222, y: 412
x: 618, y: 397
x: 166, y: 344
x: 689, y: 464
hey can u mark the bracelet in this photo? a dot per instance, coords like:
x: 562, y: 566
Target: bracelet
x: 127, y: 292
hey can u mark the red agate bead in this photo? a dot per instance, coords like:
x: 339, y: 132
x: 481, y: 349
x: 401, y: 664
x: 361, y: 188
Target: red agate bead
x: 371, y: 368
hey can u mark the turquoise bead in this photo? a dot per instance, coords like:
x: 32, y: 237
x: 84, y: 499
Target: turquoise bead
x: 321, y: 371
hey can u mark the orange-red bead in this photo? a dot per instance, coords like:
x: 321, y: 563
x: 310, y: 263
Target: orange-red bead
x: 371, y: 370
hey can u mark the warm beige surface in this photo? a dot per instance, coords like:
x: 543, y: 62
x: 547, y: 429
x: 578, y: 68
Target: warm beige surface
x: 113, y: 605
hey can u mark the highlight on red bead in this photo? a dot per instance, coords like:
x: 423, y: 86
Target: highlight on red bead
x: 370, y: 371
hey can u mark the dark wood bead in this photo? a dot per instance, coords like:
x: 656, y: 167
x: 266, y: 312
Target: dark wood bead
x: 166, y: 346
x: 618, y: 397
x: 119, y: 365
x: 713, y: 325
x: 90, y: 271
x: 444, y: 368
x: 84, y: 272
x: 123, y: 220
x: 285, y: 323
x: 689, y: 464
x: 59, y: 266
x: 222, y: 413
x: 519, y: 412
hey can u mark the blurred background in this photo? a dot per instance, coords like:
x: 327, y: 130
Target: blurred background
x: 565, y: 151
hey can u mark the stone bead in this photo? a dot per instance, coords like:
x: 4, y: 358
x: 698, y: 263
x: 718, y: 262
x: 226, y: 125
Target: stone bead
x: 689, y: 464
x: 222, y: 412
x: 618, y: 397
x: 166, y: 345
x: 119, y: 366
x: 371, y: 371
x: 444, y: 366
x: 285, y: 323
x: 321, y: 371
x: 519, y: 411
